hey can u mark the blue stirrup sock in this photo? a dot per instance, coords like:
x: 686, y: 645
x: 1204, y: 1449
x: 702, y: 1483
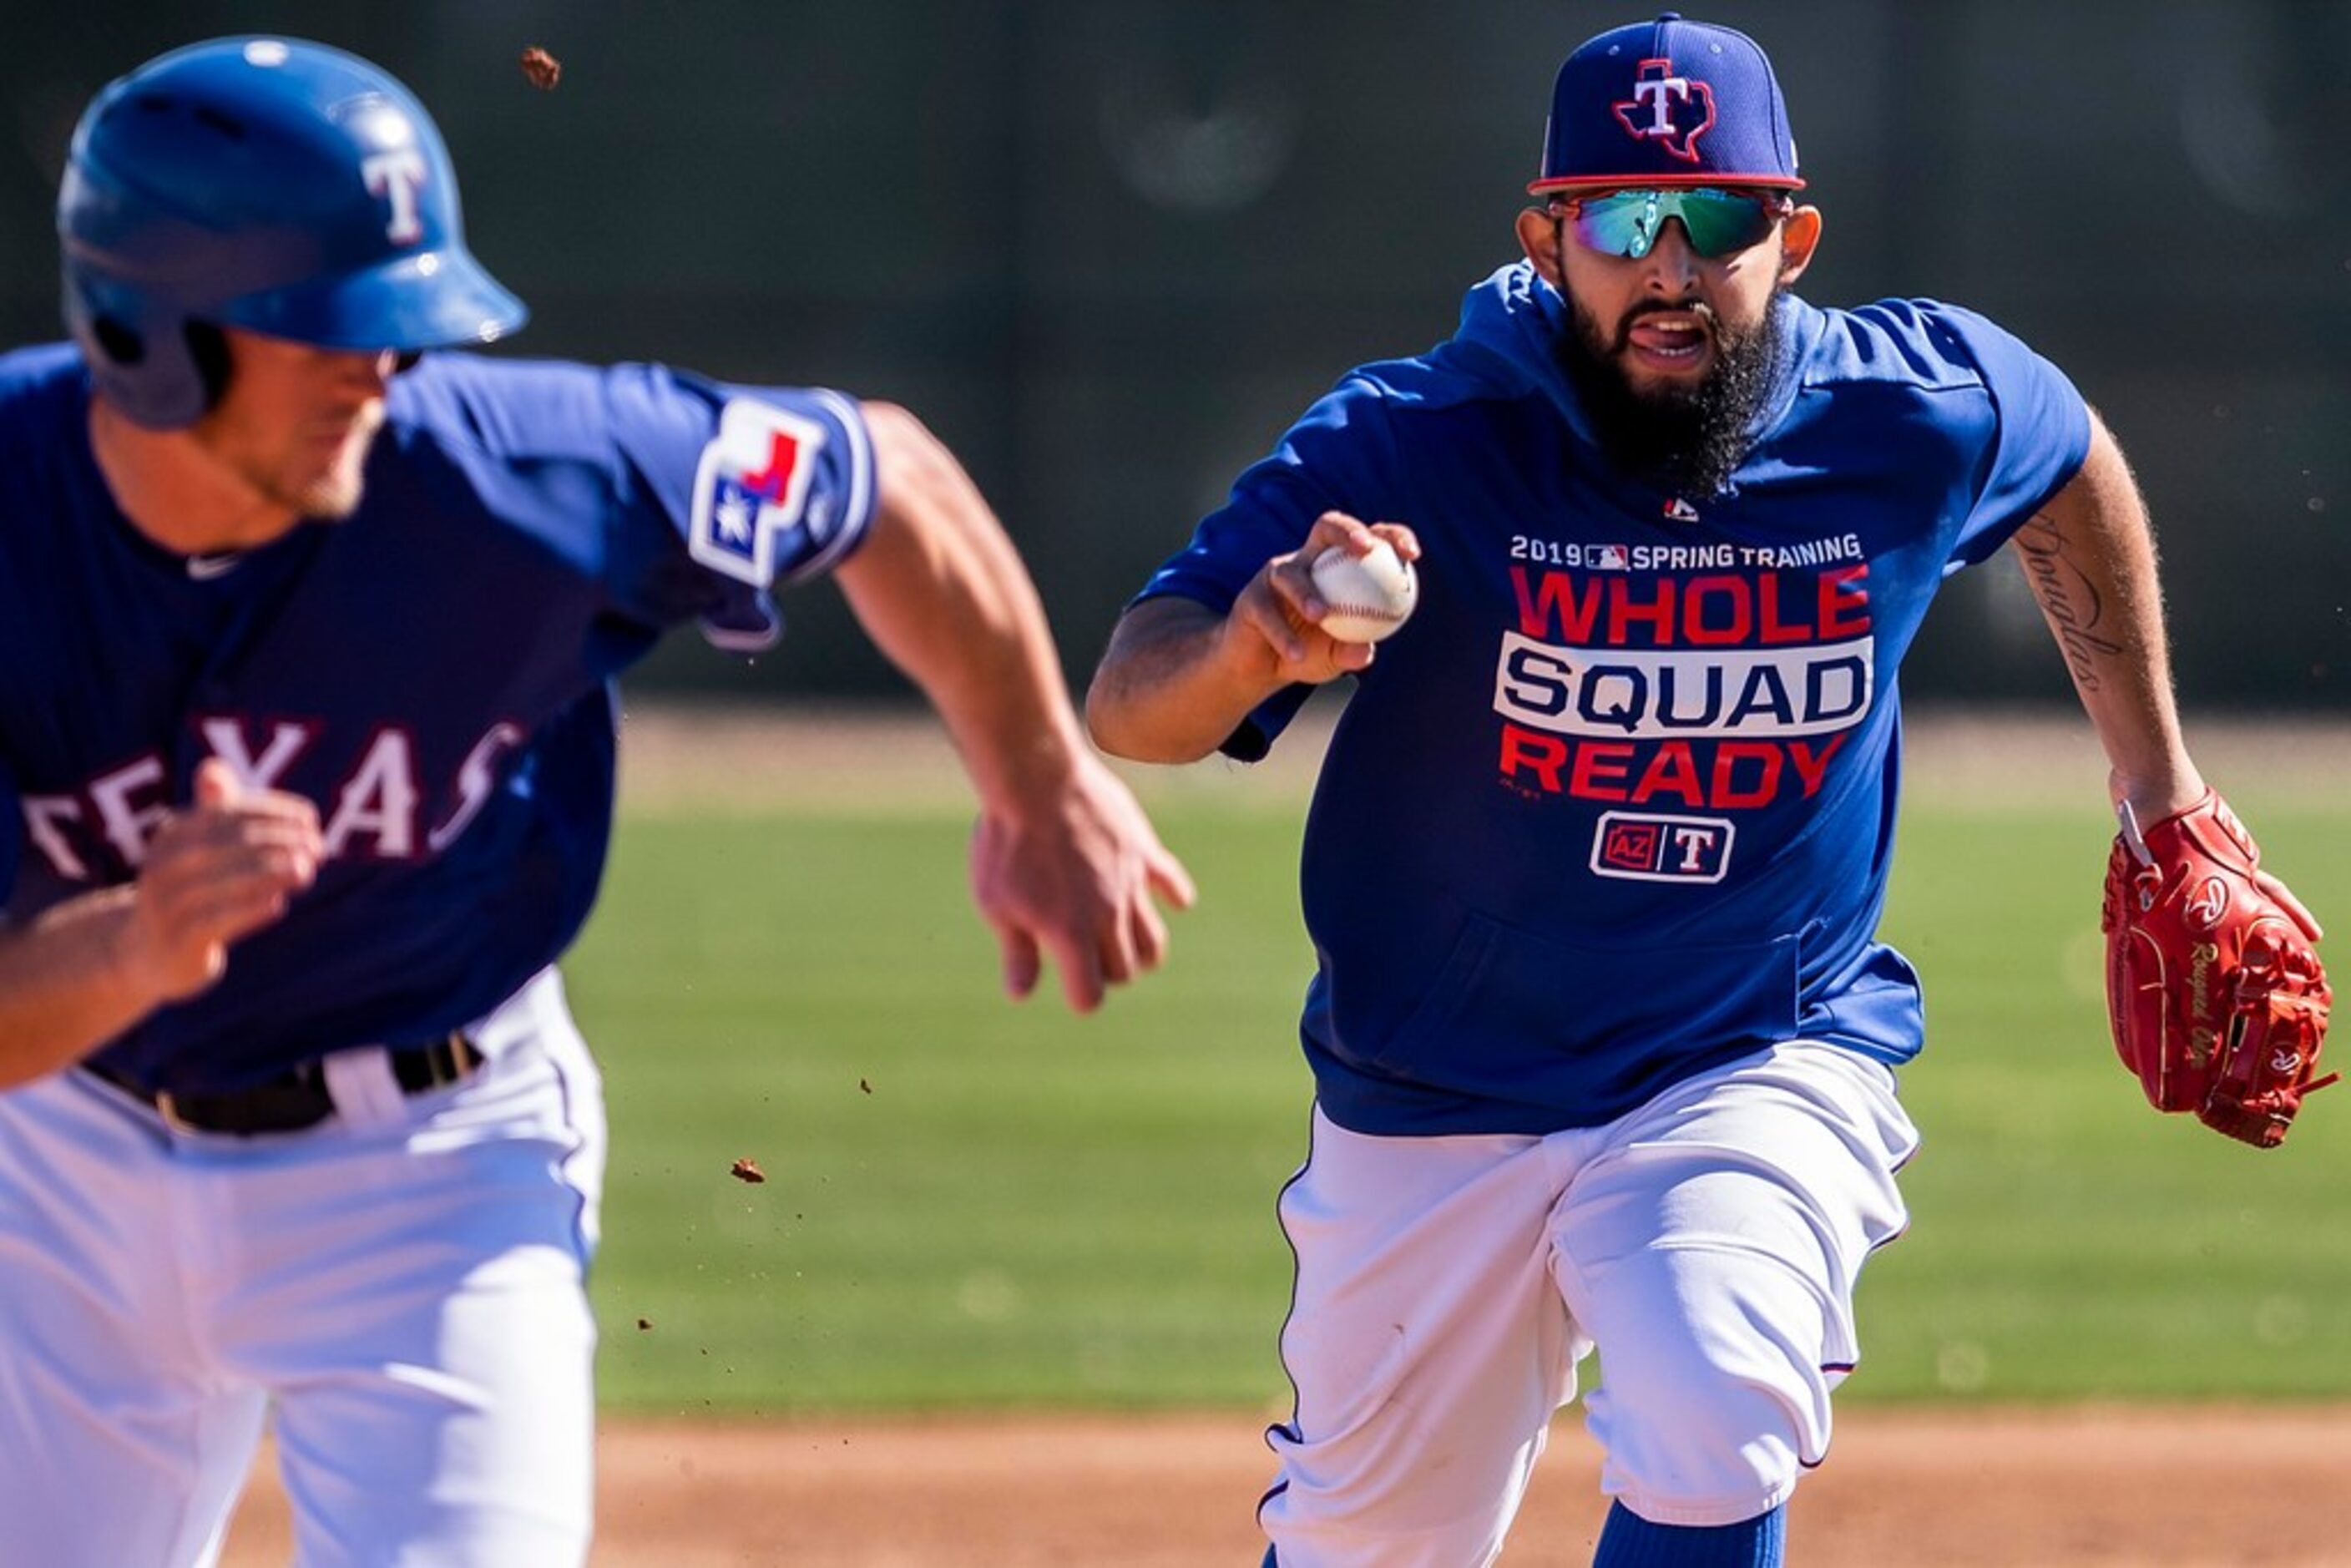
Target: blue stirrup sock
x: 1628, y: 1541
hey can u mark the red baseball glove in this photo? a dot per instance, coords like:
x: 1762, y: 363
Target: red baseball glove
x: 2218, y: 1000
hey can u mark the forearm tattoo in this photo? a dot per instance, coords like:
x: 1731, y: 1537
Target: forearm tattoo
x: 2069, y: 599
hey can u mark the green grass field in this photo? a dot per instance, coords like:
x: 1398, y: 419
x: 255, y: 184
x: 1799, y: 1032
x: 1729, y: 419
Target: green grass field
x: 972, y: 1203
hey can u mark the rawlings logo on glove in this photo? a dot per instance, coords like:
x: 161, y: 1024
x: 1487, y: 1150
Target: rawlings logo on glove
x: 2218, y: 1000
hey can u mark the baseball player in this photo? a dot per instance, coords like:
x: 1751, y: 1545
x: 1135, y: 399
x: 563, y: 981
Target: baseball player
x: 307, y: 766
x: 1603, y: 1040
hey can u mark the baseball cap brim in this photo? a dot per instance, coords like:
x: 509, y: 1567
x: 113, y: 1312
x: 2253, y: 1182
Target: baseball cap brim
x: 421, y: 299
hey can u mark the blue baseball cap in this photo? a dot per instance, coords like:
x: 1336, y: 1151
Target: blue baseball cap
x: 1669, y: 102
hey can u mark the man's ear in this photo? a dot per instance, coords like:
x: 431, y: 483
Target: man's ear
x: 1799, y: 238
x: 1539, y: 238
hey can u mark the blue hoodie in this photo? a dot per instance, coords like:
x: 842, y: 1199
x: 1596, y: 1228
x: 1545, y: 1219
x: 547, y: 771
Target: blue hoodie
x: 1616, y: 806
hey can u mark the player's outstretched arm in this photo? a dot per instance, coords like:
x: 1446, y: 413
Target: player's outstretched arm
x: 2090, y: 558
x: 1177, y: 677
x: 90, y: 967
x: 1064, y: 864
x: 2217, y: 998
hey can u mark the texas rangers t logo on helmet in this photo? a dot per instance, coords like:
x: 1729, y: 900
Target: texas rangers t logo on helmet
x: 396, y: 175
x: 1661, y: 106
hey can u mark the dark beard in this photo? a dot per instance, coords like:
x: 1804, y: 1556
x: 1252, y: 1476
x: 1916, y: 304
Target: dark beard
x: 1688, y: 440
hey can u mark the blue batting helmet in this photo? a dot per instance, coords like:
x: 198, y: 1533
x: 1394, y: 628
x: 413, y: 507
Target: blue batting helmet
x: 272, y: 184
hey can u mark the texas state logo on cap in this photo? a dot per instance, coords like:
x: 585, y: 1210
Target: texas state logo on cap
x: 1669, y: 102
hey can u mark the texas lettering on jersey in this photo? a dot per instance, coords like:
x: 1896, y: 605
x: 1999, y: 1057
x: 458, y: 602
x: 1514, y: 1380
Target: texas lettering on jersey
x: 379, y: 809
x: 1721, y: 691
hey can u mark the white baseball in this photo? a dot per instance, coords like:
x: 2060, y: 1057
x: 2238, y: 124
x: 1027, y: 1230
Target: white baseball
x: 1369, y: 596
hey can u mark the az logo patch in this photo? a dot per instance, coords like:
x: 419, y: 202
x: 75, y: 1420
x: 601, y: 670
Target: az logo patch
x: 751, y: 487
x: 1642, y: 848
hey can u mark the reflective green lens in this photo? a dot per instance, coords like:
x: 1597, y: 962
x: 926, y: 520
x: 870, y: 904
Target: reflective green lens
x: 1628, y: 223
x: 1623, y: 224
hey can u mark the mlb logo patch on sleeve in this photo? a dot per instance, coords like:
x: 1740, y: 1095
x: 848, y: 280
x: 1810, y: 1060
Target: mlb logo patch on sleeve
x: 751, y: 487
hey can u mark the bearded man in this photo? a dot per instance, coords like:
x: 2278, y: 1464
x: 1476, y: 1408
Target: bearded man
x: 1604, y: 1040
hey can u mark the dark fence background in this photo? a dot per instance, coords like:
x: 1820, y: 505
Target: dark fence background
x: 1108, y: 250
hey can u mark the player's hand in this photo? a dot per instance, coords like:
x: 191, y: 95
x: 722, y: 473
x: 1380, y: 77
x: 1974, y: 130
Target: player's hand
x: 221, y: 869
x: 1077, y: 877
x: 1278, y: 615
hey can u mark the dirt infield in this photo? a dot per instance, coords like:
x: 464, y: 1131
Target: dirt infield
x: 2216, y: 1488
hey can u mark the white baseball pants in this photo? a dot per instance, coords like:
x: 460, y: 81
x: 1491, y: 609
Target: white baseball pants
x: 1708, y: 1244
x: 400, y: 1286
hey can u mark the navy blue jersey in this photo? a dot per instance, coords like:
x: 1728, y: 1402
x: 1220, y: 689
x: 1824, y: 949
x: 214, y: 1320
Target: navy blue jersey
x: 433, y: 672
x: 1616, y: 804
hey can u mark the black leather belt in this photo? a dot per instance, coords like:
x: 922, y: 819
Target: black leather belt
x: 296, y: 1098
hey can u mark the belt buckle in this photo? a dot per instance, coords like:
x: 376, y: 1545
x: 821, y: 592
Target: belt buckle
x: 167, y: 1106
x: 462, y: 1060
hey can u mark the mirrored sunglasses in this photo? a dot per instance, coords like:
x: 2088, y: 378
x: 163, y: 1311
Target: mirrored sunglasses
x: 1628, y: 223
